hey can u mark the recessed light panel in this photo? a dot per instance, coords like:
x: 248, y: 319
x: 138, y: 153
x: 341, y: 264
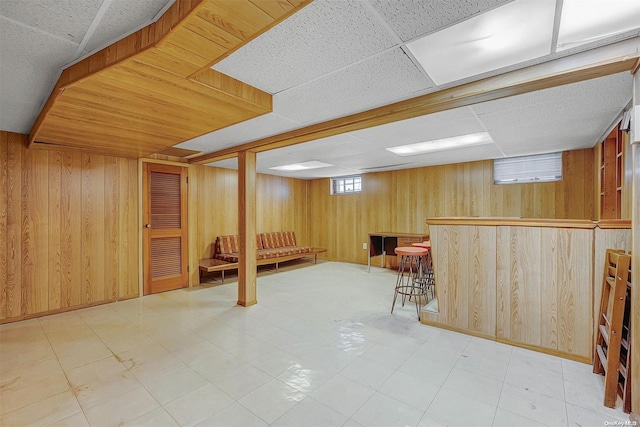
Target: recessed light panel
x: 313, y: 164
x: 516, y: 32
x: 481, y: 138
x: 586, y: 21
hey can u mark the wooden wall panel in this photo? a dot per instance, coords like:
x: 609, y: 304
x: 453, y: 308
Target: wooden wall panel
x: 65, y: 221
x: 13, y: 285
x: 281, y: 205
x: 465, y: 260
x: 55, y: 229
x: 4, y: 154
x: 71, y: 229
x: 111, y: 226
x: 543, y: 288
x: 35, y: 236
x: 399, y: 201
x: 93, y: 216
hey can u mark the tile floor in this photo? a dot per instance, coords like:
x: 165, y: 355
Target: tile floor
x: 320, y: 349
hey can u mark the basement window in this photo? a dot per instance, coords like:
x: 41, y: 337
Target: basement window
x: 346, y: 184
x: 518, y: 170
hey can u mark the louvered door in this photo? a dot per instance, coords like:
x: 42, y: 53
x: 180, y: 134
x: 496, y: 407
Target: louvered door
x: 165, y: 228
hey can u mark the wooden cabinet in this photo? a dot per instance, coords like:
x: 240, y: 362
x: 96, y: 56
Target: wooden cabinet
x: 611, y: 174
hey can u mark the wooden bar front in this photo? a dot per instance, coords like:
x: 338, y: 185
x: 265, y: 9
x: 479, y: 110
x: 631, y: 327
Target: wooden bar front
x: 530, y: 283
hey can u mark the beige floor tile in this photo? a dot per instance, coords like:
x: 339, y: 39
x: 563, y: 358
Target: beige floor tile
x: 480, y: 387
x: 534, y: 406
x: 448, y: 406
x: 343, y: 395
x: 32, y: 383
x: 234, y: 415
x: 168, y: 387
x: 125, y: 407
x: 410, y: 390
x: 43, y: 412
x: 272, y: 400
x: 156, y: 418
x: 310, y: 412
x: 381, y: 410
x: 198, y: 405
x: 505, y: 418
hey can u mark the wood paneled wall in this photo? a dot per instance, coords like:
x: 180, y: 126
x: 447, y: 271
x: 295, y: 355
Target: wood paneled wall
x: 399, y: 201
x: 68, y: 229
x: 525, y: 285
x: 544, y: 294
x: 281, y: 206
x: 466, y: 256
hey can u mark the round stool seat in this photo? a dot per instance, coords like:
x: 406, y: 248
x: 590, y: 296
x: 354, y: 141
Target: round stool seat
x: 410, y: 251
x: 426, y: 244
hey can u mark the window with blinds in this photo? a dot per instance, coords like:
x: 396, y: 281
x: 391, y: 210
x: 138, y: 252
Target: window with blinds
x: 346, y: 184
x: 518, y: 170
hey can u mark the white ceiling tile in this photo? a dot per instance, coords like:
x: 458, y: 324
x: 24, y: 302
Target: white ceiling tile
x: 68, y: 19
x: 121, y: 17
x: 414, y: 18
x: 250, y: 130
x: 460, y: 121
x: 560, y: 134
x: 17, y: 116
x: 377, y: 81
x: 322, y: 37
x: 462, y: 155
x: 607, y: 90
x: 30, y: 62
x: 324, y: 150
x: 27, y: 90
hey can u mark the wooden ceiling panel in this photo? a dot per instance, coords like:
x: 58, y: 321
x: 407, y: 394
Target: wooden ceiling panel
x: 274, y: 8
x: 162, y: 58
x: 194, y: 44
x: 240, y: 18
x: 145, y: 104
x: 154, y: 88
x: 214, y: 33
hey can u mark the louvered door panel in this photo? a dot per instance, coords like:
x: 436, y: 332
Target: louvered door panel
x: 165, y: 228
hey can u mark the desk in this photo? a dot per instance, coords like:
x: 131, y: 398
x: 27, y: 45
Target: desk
x: 383, y: 243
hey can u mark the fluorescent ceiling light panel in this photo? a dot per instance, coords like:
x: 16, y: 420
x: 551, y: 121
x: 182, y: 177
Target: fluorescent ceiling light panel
x: 481, y: 138
x: 313, y: 164
x: 516, y: 32
x: 587, y: 21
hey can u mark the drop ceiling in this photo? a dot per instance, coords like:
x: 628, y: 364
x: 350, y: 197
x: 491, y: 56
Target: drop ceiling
x: 331, y: 59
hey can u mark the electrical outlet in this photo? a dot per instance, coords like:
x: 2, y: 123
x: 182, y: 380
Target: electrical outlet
x: 364, y: 246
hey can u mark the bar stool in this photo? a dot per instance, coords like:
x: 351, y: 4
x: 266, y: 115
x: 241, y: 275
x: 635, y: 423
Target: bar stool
x: 427, y: 278
x: 408, y: 283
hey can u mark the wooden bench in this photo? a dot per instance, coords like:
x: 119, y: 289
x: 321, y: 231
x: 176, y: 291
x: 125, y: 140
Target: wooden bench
x: 210, y: 265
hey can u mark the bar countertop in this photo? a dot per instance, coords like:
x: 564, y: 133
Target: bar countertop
x: 529, y: 222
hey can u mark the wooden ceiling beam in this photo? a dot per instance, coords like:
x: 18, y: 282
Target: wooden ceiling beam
x: 161, y: 72
x: 570, y: 69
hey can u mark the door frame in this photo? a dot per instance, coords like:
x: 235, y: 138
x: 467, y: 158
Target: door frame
x: 190, y: 220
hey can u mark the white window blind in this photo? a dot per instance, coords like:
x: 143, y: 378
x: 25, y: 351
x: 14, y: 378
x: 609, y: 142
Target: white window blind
x: 540, y: 168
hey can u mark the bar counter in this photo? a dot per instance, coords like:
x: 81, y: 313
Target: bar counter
x: 533, y: 283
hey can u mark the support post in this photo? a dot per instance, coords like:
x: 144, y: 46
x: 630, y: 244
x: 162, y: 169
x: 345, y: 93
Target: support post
x: 247, y: 264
